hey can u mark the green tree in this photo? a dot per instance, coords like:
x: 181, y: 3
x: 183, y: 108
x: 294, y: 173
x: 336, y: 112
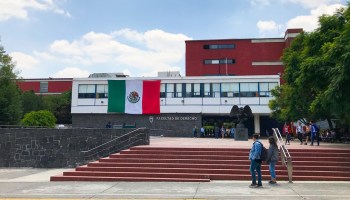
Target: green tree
x: 31, y: 102
x: 316, y: 73
x: 10, y: 99
x: 60, y: 106
x: 39, y: 118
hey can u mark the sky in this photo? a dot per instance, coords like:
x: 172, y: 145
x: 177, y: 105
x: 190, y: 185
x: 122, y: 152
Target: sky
x: 75, y: 38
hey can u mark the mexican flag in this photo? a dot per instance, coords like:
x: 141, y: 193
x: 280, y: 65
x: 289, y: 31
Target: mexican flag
x: 134, y: 96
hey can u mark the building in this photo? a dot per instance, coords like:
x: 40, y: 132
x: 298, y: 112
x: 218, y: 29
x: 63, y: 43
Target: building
x: 185, y: 102
x: 46, y: 86
x: 237, y: 57
x: 219, y: 74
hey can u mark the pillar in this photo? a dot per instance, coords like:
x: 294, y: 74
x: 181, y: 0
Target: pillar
x: 256, y: 123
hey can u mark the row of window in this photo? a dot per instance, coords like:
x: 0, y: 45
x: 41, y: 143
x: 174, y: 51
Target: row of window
x: 89, y: 91
x: 179, y: 90
x: 174, y: 90
x: 219, y: 61
x: 218, y: 46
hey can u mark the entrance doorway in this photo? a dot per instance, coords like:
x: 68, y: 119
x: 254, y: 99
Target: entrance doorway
x: 210, y: 121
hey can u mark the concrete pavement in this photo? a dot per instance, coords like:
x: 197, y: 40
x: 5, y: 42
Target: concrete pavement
x: 34, y: 183
x: 29, y: 183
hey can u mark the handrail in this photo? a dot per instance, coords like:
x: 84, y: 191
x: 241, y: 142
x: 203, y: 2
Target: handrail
x: 285, y: 156
x: 112, y: 143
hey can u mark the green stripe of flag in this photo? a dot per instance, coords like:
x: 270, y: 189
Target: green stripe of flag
x: 116, y: 96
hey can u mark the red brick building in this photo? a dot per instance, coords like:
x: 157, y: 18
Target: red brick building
x: 257, y: 56
x: 46, y: 86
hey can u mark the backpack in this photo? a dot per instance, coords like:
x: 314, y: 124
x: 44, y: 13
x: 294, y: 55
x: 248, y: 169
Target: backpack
x: 263, y: 153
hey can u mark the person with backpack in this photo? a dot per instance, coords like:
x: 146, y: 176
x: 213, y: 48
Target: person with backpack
x: 272, y: 158
x: 255, y: 161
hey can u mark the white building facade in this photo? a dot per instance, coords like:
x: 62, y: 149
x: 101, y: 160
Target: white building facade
x: 185, y: 102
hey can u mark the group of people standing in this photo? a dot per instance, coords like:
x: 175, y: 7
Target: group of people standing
x: 217, y: 132
x: 255, y: 160
x: 308, y: 131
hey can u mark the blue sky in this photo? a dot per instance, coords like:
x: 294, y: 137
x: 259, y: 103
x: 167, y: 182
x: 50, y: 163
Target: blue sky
x: 74, y: 38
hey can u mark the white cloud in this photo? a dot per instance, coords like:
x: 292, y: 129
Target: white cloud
x: 19, y: 8
x: 129, y: 34
x: 267, y: 28
x: 310, y: 22
x: 24, y: 61
x: 154, y: 51
x: 72, y: 72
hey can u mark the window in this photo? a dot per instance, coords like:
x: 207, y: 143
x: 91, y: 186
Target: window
x: 188, y: 90
x: 207, y: 92
x: 249, y: 89
x: 265, y: 89
x: 196, y: 89
x: 178, y: 89
x: 101, y: 91
x: 162, y: 90
x: 44, y: 87
x: 170, y: 90
x: 229, y: 90
x: 86, y: 91
x: 219, y: 61
x: 216, y: 90
x: 219, y: 46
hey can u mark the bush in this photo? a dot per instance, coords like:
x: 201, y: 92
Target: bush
x: 39, y: 118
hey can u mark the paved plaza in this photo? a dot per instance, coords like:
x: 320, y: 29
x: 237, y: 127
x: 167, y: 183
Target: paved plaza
x: 29, y: 183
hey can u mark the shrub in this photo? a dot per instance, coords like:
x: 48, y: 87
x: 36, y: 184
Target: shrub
x: 39, y: 118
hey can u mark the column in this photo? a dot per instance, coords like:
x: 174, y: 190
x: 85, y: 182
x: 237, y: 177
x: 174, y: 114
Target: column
x: 256, y: 123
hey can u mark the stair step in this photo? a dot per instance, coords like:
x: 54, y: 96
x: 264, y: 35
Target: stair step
x: 162, y: 152
x: 136, y: 174
x: 145, y: 163
x: 134, y: 179
x: 183, y: 172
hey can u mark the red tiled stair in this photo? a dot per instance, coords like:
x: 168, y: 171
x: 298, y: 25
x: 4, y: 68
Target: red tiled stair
x: 205, y: 164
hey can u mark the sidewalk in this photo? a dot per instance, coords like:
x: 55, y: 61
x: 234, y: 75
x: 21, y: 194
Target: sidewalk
x: 28, y: 183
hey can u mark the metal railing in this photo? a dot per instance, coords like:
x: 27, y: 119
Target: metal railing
x: 285, y: 156
x: 136, y: 137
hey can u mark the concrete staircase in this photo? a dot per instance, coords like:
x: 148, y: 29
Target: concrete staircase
x: 205, y: 164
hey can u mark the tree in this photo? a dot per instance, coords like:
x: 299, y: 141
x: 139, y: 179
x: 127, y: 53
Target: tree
x: 60, y: 106
x: 31, y: 102
x: 39, y: 118
x: 10, y: 100
x: 316, y: 73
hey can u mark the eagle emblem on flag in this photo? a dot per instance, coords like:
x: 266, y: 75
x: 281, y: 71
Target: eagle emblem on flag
x: 133, y: 97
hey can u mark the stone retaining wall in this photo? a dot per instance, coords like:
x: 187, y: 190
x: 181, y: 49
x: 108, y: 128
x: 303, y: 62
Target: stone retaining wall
x: 57, y: 148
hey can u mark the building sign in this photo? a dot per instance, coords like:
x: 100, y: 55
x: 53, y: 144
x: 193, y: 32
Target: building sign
x: 176, y: 118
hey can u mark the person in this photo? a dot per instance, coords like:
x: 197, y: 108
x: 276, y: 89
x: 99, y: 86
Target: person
x: 195, y: 131
x: 300, y: 131
x: 202, y: 131
x: 272, y: 158
x: 109, y: 124
x: 287, y: 132
x: 223, y: 131
x: 315, y: 133
x: 232, y: 132
x: 255, y: 161
x: 307, y: 132
x: 216, y: 132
